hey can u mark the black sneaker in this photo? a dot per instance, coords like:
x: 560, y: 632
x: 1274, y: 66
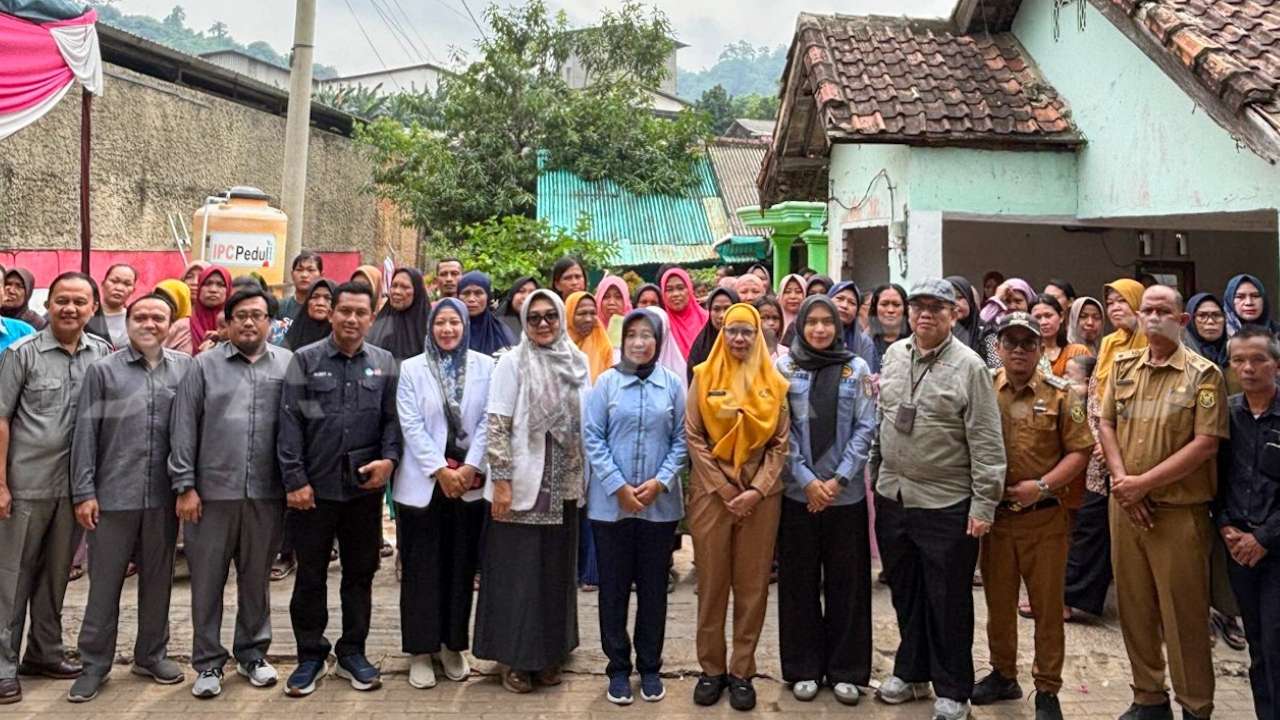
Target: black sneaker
x: 742, y: 695
x: 1188, y: 715
x: 1163, y: 711
x: 1047, y: 707
x: 709, y: 689
x: 993, y: 688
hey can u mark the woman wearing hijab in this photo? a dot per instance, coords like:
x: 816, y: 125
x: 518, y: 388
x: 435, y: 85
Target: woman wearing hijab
x: 1085, y: 323
x: 845, y: 296
x: 179, y: 294
x: 401, y: 325
x: 372, y: 276
x: 1245, y: 302
x: 1206, y: 333
x: 818, y: 285
x: 312, y: 323
x: 207, y: 322
x: 887, y: 319
x: 968, y: 328
x: 771, y: 320
x: 191, y: 275
x: 489, y: 335
x: 824, y: 543
x: 509, y: 309
x: 526, y: 615
x: 635, y: 440
x: 647, y: 295
x: 737, y: 422
x: 762, y: 272
x: 1013, y: 295
x: 790, y: 295
x: 568, y: 276
x: 1048, y: 315
x: 614, y: 300
x: 718, y: 303
x: 441, y: 401
x: 587, y: 333
x: 669, y: 355
x: 686, y: 315
x: 15, y: 299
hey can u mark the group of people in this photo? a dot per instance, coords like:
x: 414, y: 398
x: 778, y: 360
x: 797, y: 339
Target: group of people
x: 560, y: 438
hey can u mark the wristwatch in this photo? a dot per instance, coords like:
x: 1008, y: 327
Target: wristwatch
x: 1045, y: 492
x: 842, y: 481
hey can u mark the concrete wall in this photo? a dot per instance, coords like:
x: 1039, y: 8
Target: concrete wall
x: 1089, y: 259
x: 1151, y: 151
x: 159, y: 148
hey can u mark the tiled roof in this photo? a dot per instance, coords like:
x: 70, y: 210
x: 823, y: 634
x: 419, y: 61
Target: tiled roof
x: 895, y: 80
x: 1231, y: 47
x: 736, y: 164
x: 648, y: 229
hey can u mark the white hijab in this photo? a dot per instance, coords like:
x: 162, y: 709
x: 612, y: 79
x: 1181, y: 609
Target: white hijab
x: 669, y: 355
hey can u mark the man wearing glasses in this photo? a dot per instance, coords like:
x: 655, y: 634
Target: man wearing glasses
x: 1047, y: 439
x: 339, y: 442
x: 938, y: 464
x: 222, y: 462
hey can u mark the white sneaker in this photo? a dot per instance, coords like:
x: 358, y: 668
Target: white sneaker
x: 948, y: 709
x: 422, y: 674
x: 805, y: 690
x: 455, y: 665
x: 847, y: 693
x: 259, y: 672
x: 896, y: 691
x: 208, y: 684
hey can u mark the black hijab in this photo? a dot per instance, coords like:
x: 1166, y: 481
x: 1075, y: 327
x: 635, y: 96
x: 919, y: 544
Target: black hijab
x: 403, y: 333
x: 826, y: 367
x: 700, y: 350
x: 24, y: 311
x: 1216, y: 351
x: 827, y: 284
x: 304, y: 330
x: 627, y: 367
x: 509, y: 315
x: 635, y: 296
x: 968, y: 330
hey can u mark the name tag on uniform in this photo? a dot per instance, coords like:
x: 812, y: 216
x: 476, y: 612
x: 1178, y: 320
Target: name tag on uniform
x: 1039, y: 408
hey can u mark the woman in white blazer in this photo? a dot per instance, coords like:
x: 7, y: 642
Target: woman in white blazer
x: 441, y: 400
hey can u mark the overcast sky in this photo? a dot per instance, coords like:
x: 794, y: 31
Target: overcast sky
x: 706, y: 25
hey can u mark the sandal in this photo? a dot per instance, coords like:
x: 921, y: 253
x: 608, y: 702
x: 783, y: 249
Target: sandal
x: 516, y: 681
x: 1229, y: 628
x: 77, y: 572
x: 387, y: 550
x: 283, y: 569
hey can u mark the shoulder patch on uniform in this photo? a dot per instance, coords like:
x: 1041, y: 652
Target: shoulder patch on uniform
x: 1078, y: 414
x: 1207, y: 398
x: 1056, y: 382
x: 846, y: 372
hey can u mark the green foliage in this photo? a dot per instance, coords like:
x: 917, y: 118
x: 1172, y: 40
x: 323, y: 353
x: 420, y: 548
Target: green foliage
x: 512, y: 246
x: 174, y: 32
x: 717, y: 104
x: 371, y: 103
x: 756, y: 107
x: 741, y: 70
x: 473, y: 155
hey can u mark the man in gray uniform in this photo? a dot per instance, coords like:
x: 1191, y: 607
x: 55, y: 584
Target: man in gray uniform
x: 120, y: 485
x: 39, y: 385
x: 230, y: 498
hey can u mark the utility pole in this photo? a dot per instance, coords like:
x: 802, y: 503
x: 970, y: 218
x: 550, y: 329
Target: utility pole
x: 298, y: 126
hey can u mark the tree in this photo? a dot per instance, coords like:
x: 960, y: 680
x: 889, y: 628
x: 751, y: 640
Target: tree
x: 741, y: 69
x: 478, y: 157
x: 719, y: 106
x: 177, y: 18
x: 756, y: 106
x: 513, y: 246
x: 218, y: 31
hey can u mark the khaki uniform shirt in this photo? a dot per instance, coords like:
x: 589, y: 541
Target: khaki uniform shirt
x: 1158, y: 409
x: 1042, y: 422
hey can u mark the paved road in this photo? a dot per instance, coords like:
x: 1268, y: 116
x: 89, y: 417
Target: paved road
x: 1096, y: 672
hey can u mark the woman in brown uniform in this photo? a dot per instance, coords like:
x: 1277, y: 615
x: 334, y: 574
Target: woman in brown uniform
x: 737, y: 423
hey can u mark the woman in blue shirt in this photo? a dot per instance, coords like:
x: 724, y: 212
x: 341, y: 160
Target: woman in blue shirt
x: 824, y: 551
x: 634, y: 436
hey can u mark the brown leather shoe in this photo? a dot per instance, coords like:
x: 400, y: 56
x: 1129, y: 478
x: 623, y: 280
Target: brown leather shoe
x: 549, y: 677
x: 516, y: 681
x: 61, y: 670
x: 10, y: 691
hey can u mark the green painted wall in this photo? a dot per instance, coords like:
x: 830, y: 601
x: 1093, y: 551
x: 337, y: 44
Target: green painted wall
x: 1151, y: 151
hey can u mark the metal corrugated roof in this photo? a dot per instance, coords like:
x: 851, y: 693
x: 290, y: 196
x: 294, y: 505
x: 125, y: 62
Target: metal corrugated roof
x: 737, y: 164
x: 648, y: 229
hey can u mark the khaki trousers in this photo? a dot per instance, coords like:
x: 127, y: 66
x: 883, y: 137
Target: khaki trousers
x: 737, y: 555
x: 1162, y: 589
x: 1030, y: 547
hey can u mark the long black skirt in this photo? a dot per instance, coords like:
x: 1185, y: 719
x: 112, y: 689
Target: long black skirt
x: 1089, y: 563
x: 439, y: 553
x: 527, y: 612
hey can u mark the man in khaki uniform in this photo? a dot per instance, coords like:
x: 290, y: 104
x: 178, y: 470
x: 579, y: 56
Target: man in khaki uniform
x: 1163, y: 413
x: 1047, y: 441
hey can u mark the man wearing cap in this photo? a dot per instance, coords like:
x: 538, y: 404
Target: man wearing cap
x: 1163, y: 413
x: 938, y: 465
x: 1047, y: 440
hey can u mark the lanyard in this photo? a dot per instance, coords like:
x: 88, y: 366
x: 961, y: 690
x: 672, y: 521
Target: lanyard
x: 915, y: 382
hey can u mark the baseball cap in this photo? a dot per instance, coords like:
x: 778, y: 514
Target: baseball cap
x: 933, y: 288
x: 1017, y: 320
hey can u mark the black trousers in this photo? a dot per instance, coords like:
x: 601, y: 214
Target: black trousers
x: 633, y: 551
x: 824, y: 593
x: 1089, y: 562
x: 929, y: 560
x: 357, y: 526
x: 439, y: 553
x: 1258, y: 592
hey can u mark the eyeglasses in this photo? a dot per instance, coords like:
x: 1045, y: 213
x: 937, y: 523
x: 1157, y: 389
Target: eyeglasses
x: 931, y: 308
x: 1027, y: 343
x: 547, y: 318
x: 1210, y: 317
x: 740, y: 332
x: 254, y: 316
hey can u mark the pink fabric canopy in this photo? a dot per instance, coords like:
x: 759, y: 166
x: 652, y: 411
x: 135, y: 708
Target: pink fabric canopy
x: 39, y: 62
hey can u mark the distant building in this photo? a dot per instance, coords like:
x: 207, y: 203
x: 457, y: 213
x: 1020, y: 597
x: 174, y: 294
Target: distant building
x: 251, y: 66
x: 424, y: 77
x: 748, y: 129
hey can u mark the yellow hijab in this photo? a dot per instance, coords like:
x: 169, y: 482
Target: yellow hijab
x: 739, y: 400
x: 594, y: 344
x: 179, y: 293
x: 1121, y: 340
x: 374, y: 274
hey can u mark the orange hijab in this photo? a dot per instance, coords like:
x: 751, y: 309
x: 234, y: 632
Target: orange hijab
x: 1121, y: 340
x: 594, y: 344
x: 739, y: 400
x: 374, y: 275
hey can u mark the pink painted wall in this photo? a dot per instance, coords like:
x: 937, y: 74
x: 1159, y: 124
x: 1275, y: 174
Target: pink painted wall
x: 152, y: 266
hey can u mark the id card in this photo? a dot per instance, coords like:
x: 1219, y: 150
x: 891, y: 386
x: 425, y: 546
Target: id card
x: 905, y: 421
